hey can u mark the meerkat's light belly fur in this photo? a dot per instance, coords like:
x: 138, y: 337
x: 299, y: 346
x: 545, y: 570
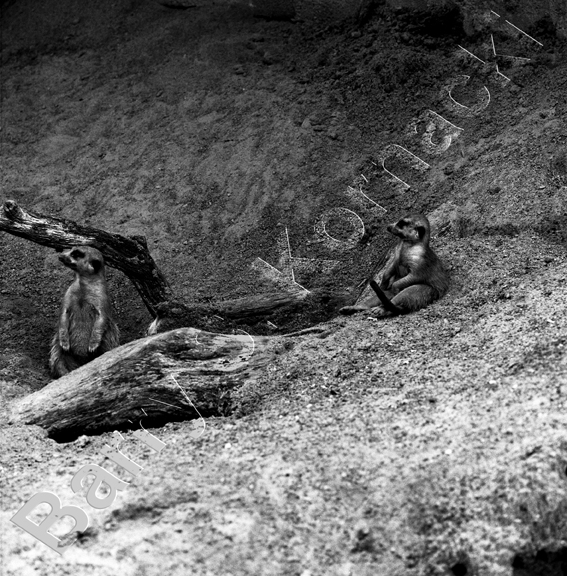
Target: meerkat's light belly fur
x: 81, y: 322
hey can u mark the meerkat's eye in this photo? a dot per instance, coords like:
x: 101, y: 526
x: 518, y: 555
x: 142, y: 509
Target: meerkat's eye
x: 77, y: 253
x: 96, y: 264
x: 420, y: 231
x: 403, y: 222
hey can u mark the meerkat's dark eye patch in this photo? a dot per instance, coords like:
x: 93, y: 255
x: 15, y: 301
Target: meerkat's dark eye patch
x: 77, y: 254
x: 403, y: 222
x: 96, y: 264
x: 420, y: 231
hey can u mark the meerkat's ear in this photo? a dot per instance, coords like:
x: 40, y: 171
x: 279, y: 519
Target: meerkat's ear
x: 420, y: 231
x: 97, y: 265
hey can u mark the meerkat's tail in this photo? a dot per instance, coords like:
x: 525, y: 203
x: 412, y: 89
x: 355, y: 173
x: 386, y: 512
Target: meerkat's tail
x: 386, y: 302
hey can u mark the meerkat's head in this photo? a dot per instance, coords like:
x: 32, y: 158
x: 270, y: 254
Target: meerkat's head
x: 84, y: 260
x: 413, y: 228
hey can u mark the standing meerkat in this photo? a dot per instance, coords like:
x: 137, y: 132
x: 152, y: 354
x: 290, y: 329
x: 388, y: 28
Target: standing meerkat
x: 86, y: 328
x: 413, y: 276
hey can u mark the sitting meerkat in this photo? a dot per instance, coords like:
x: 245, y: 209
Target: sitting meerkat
x: 86, y: 328
x: 413, y: 276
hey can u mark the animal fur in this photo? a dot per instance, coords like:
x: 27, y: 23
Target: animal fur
x: 413, y: 277
x: 86, y: 328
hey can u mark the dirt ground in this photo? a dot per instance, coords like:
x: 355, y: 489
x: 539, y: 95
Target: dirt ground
x: 429, y: 444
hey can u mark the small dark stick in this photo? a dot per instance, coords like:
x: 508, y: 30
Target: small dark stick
x: 384, y: 299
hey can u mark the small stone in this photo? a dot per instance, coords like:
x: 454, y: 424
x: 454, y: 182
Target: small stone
x: 268, y: 58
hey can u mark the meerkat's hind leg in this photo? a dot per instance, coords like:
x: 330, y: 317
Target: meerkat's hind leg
x: 387, y: 304
x: 414, y: 297
x: 380, y: 312
x: 111, y: 338
x: 60, y: 362
x: 57, y: 366
x: 349, y: 310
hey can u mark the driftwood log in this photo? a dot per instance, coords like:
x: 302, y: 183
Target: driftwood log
x: 178, y: 375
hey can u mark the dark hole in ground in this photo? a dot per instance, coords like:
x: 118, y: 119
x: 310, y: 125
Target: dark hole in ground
x: 148, y: 422
x: 543, y: 563
x: 459, y: 569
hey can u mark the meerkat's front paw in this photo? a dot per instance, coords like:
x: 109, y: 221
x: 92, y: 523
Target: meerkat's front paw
x: 64, y: 342
x: 379, y: 312
x: 94, y: 343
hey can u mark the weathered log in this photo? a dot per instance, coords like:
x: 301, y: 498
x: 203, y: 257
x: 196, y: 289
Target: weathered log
x: 261, y: 305
x: 170, y: 376
x: 318, y: 305
x: 175, y: 314
x: 129, y: 255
